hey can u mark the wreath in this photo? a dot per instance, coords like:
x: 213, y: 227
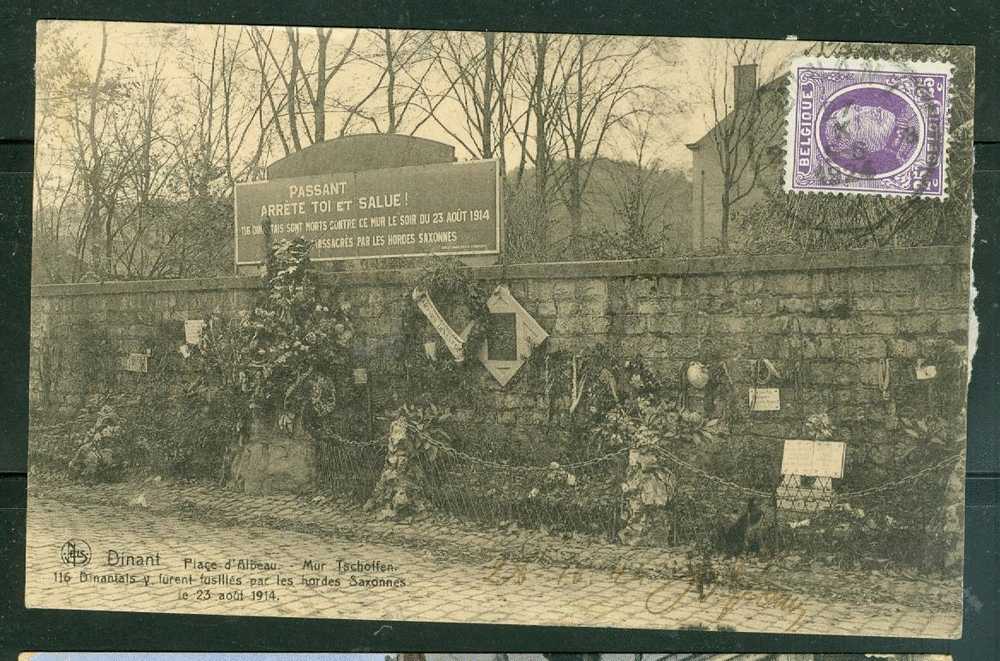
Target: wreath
x: 444, y: 288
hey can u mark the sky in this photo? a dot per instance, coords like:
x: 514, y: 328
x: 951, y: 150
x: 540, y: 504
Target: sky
x: 684, y: 78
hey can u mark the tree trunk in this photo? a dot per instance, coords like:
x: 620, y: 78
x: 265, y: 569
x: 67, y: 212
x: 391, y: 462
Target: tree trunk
x: 487, y: 128
x: 541, y: 138
x: 390, y: 85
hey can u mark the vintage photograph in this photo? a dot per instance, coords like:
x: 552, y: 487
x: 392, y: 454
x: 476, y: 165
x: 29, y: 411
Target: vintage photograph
x: 512, y: 328
x: 460, y: 656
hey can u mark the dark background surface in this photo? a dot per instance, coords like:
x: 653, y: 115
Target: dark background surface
x: 974, y: 22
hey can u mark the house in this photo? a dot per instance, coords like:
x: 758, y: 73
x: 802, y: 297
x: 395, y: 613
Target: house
x: 750, y: 136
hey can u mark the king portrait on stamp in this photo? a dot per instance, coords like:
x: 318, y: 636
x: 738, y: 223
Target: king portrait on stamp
x: 868, y: 127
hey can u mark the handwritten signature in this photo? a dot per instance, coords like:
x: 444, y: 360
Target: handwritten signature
x: 664, y: 594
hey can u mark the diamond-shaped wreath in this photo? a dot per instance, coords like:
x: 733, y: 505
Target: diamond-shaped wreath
x: 528, y: 335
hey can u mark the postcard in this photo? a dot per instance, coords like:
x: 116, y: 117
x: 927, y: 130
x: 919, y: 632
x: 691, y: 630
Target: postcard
x: 512, y: 328
x: 500, y: 656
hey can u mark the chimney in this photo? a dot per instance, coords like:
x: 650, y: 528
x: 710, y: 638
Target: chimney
x: 744, y: 83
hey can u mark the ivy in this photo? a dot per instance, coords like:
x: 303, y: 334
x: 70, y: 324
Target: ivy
x: 462, y: 301
x: 289, y: 357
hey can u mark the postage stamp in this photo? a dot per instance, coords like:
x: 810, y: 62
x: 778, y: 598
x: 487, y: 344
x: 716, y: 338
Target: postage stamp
x: 868, y: 127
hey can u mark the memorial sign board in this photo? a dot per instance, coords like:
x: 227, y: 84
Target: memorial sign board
x: 813, y: 458
x: 438, y: 209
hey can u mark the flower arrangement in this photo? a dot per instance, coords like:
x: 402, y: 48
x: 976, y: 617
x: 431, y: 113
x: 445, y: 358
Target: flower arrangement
x: 287, y: 357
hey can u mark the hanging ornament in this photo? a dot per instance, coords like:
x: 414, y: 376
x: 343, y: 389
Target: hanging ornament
x: 883, y: 377
x: 697, y: 375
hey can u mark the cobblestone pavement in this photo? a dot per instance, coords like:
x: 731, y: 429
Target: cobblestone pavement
x: 174, y: 564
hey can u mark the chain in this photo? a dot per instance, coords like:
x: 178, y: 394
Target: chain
x: 901, y: 481
x: 358, y: 444
x: 712, y: 478
x: 447, y: 449
x: 840, y: 496
x: 486, y: 463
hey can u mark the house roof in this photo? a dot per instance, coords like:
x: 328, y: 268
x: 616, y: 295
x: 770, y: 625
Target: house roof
x: 771, y: 85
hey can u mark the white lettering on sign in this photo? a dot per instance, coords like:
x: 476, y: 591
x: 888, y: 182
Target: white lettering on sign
x: 813, y: 458
x: 765, y: 399
x: 193, y: 328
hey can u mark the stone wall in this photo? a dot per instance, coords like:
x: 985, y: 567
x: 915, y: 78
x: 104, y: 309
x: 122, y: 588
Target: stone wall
x: 834, y: 315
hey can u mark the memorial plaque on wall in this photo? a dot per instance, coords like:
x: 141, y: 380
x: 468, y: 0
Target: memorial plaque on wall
x: 440, y: 209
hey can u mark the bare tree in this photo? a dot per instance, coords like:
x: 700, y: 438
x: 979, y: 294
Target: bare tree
x: 478, y: 69
x: 402, y: 61
x: 747, y: 124
x: 599, y: 91
x: 306, y: 69
x: 636, y: 193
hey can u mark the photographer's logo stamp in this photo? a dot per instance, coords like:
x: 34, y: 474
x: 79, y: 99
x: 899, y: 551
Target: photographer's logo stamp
x: 877, y: 128
x: 75, y: 553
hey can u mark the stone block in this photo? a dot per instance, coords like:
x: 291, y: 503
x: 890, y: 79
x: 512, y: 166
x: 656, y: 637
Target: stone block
x: 595, y: 290
x: 669, y: 287
x: 797, y: 305
x: 563, y: 290
x: 928, y: 301
x: 660, y: 324
x: 542, y: 290
x: 730, y: 325
x: 871, y: 372
x: 709, y: 284
x: 757, y: 306
x: 822, y: 347
x: 953, y: 323
x: 678, y: 346
x: 275, y: 462
x: 592, y: 307
x: 869, y: 303
x: 865, y: 347
x: 788, y: 283
x: 918, y: 324
x: 902, y: 302
x: 519, y: 289
x: 546, y: 307
x: 653, y: 306
x: 746, y: 284
x: 634, y: 324
x: 840, y: 282
x: 819, y: 282
x: 638, y: 289
x: 897, y: 280
x: 834, y: 306
x: 876, y: 324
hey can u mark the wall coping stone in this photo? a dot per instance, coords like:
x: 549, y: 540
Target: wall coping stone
x: 639, y: 268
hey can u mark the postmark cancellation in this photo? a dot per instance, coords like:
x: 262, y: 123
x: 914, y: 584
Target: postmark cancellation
x: 868, y: 127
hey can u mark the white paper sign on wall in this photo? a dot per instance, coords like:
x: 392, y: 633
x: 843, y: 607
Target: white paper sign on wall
x: 814, y: 458
x: 765, y: 399
x: 193, y: 329
x: 136, y: 362
x: 925, y: 372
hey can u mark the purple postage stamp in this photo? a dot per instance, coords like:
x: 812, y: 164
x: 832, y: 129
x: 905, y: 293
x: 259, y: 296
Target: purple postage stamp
x: 868, y: 127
